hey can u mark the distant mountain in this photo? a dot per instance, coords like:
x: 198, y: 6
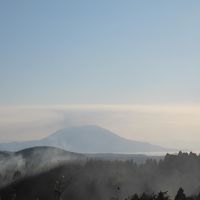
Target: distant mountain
x: 87, y: 139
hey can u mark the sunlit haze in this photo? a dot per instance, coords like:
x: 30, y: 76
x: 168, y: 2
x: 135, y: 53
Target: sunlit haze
x: 168, y: 125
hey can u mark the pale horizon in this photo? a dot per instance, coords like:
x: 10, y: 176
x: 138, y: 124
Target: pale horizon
x: 172, y: 126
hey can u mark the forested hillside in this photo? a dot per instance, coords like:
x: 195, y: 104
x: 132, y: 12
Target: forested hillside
x: 98, y: 179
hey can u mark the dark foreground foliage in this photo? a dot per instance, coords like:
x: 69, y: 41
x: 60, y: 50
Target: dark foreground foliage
x: 164, y: 196
x: 112, y: 180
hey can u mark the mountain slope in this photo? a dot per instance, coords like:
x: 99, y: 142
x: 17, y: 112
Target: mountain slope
x: 87, y: 139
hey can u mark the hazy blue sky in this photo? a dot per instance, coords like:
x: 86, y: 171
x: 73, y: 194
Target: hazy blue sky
x: 99, y: 52
x: 140, y: 53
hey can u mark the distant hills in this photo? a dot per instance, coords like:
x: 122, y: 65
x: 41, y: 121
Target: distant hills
x: 87, y: 139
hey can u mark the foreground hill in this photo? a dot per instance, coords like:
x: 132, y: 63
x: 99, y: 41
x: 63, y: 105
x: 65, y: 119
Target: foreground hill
x: 103, y: 180
x: 35, y: 160
x: 87, y: 139
x: 32, y: 161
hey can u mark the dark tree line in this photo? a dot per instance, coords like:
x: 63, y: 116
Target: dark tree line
x: 180, y: 195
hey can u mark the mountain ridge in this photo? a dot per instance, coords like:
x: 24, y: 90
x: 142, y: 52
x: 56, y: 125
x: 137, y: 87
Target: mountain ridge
x: 87, y: 139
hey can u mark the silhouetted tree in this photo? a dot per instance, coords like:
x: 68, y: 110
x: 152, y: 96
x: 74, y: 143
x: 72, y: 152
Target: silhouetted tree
x: 162, y: 196
x: 180, y: 195
x: 135, y: 197
x: 145, y: 196
x: 198, y: 197
x: 16, y: 175
x: 57, y: 190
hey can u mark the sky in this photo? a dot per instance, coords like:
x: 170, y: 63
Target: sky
x: 117, y: 53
